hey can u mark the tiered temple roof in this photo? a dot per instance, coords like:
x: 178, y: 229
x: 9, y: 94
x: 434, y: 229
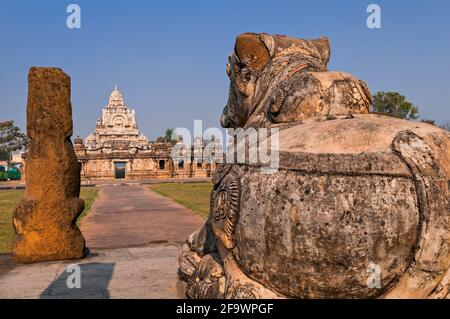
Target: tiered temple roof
x: 116, y: 130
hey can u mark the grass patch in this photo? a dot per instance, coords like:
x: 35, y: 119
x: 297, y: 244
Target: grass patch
x: 9, y: 200
x: 194, y: 196
x: 88, y: 194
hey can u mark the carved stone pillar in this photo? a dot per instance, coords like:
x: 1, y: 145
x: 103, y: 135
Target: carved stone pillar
x: 45, y: 220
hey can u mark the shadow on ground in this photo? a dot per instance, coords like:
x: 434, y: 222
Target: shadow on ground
x: 6, y: 264
x: 94, y: 280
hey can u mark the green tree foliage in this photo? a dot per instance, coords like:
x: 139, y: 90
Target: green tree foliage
x: 446, y: 126
x: 168, y: 136
x: 432, y: 122
x: 394, y: 104
x: 11, y: 139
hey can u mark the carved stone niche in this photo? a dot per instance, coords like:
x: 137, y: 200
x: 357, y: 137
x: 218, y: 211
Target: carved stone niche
x: 45, y: 220
x: 358, y: 208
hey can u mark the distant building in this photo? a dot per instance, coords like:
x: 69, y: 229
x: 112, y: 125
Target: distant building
x: 14, y: 168
x: 116, y: 149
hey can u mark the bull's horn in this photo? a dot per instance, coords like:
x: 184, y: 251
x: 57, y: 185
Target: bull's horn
x: 252, y: 51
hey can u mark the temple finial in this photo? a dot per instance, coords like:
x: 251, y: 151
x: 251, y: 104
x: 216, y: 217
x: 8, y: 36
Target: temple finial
x: 115, y: 87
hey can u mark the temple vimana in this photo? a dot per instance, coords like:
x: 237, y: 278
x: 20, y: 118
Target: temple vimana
x: 116, y: 149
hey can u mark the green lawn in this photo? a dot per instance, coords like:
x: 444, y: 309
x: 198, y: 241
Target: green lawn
x: 88, y: 194
x: 10, y: 198
x: 194, y: 196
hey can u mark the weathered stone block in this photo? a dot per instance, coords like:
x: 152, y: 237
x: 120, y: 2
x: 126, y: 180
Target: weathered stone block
x: 45, y: 220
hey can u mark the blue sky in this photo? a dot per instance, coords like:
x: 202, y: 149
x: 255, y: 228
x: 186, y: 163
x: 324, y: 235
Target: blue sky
x: 168, y: 57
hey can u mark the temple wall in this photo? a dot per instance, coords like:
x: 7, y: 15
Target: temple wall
x: 97, y: 169
x: 141, y: 168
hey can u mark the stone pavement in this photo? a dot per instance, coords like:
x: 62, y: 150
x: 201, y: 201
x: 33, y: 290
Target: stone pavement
x: 138, y: 272
x: 134, y: 236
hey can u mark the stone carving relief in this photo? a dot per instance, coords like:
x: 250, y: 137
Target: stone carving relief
x: 225, y: 208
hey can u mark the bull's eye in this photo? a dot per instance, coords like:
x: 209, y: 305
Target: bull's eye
x: 244, y: 75
x: 240, y: 65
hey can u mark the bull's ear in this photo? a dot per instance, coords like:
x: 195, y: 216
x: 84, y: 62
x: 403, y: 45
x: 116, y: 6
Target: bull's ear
x: 252, y: 51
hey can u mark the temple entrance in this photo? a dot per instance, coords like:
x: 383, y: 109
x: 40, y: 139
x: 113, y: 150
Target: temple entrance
x: 119, y: 169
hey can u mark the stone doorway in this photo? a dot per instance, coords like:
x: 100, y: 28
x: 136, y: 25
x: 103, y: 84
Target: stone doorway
x: 119, y: 170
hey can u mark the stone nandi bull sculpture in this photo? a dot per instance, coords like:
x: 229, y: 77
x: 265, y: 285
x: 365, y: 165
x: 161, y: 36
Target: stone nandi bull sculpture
x: 355, y: 192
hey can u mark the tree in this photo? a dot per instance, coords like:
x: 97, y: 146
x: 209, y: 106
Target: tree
x: 11, y: 139
x: 446, y: 126
x: 432, y: 122
x: 394, y: 104
x: 168, y: 136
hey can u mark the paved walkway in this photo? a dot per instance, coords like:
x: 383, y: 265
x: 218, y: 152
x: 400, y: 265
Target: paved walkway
x: 134, y: 236
x: 124, y: 216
